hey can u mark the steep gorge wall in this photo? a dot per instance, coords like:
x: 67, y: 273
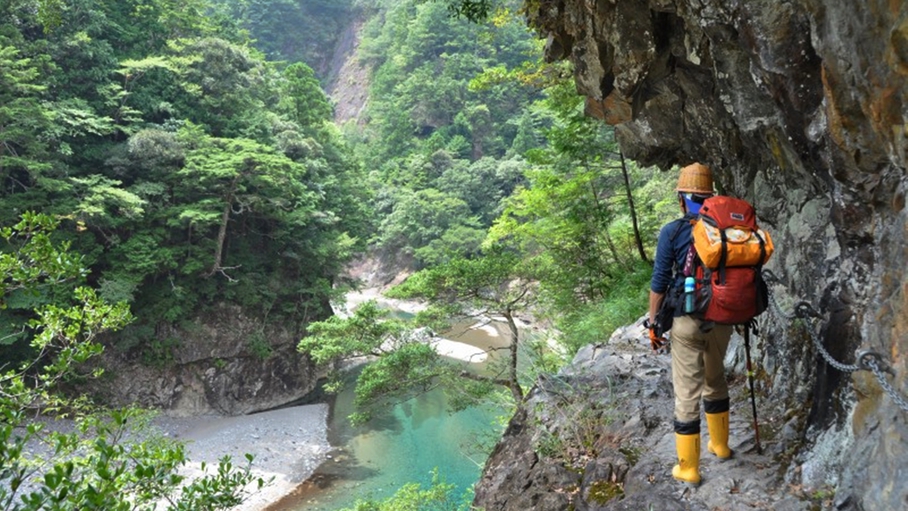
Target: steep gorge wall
x: 802, y: 108
x: 221, y: 362
x: 348, y: 78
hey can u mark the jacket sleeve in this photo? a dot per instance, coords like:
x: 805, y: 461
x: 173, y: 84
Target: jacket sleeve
x: 662, y: 269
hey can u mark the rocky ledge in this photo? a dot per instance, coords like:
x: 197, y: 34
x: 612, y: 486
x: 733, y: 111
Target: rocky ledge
x: 598, y: 436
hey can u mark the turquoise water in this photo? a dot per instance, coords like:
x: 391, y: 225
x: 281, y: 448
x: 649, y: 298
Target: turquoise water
x: 404, y: 446
x: 374, y: 460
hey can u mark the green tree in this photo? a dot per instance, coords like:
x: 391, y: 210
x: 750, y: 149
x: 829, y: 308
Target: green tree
x: 420, y: 217
x: 569, y: 213
x: 234, y: 176
x: 431, y: 137
x: 225, y: 87
x: 496, y: 285
x: 423, y: 62
x: 578, y: 215
x: 483, y: 184
x: 121, y: 117
x: 302, y: 97
x: 145, y: 26
x: 404, y: 362
x: 473, y: 10
x: 438, y: 496
x: 99, y: 465
x: 562, y: 218
x: 24, y: 153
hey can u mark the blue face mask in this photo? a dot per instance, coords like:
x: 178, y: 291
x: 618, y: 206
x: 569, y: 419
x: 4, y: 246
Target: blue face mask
x: 693, y: 207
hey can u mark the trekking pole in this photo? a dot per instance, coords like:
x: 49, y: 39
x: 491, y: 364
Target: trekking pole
x: 750, y: 380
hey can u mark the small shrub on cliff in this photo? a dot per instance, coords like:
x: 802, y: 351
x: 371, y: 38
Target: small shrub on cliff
x: 159, y: 352
x: 259, y: 346
x: 571, y: 426
x: 601, y: 492
x: 404, y: 362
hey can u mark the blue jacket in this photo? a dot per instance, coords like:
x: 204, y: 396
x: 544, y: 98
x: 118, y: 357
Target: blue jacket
x: 671, y: 252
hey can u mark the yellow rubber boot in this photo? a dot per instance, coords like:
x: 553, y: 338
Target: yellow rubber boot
x: 717, y: 423
x: 688, y: 468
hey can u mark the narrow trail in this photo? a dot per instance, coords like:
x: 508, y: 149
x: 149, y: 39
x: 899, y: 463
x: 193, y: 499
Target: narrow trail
x: 630, y: 389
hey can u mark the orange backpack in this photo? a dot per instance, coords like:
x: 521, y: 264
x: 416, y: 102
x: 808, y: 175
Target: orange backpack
x: 726, y: 259
x: 727, y: 228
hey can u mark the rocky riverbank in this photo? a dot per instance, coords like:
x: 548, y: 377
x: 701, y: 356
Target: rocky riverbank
x: 288, y: 445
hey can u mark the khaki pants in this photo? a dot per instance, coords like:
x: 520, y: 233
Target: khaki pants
x: 698, y: 366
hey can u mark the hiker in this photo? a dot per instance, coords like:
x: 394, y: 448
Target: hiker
x: 698, y: 369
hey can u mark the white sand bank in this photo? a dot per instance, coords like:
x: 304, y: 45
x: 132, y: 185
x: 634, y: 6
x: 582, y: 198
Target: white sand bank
x: 288, y: 445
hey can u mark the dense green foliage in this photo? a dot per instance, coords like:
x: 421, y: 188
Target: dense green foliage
x: 189, y: 169
x: 404, y: 364
x: 490, y: 177
x: 292, y: 30
x: 497, y: 284
x: 580, y: 218
x: 442, y: 153
x: 100, y: 463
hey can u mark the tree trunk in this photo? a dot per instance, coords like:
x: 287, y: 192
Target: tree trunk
x: 608, y: 239
x: 630, y: 201
x: 601, y: 216
x: 222, y: 230
x: 613, y: 249
x: 514, y: 384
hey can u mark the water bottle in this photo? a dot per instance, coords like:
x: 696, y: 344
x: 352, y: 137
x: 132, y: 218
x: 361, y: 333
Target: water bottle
x: 689, y: 301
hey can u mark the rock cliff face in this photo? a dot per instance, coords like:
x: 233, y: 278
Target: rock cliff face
x: 222, y: 363
x: 801, y: 107
x: 598, y: 431
x: 348, y: 78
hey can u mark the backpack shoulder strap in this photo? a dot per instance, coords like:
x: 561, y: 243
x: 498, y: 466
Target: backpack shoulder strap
x: 686, y: 219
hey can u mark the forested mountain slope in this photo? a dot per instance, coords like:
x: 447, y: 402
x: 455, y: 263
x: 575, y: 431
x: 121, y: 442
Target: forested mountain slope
x: 202, y: 183
x: 207, y: 187
x: 295, y: 31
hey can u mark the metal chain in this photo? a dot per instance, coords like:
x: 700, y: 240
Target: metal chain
x: 872, y: 364
x: 777, y: 309
x: 867, y: 360
x: 845, y: 368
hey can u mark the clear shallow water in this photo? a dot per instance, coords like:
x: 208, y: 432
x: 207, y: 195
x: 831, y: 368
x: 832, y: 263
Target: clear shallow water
x: 403, y: 447
x: 374, y: 460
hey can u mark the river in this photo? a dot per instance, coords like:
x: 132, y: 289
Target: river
x: 414, y: 438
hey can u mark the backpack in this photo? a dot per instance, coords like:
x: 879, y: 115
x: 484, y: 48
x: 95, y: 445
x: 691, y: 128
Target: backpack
x: 726, y: 259
x: 672, y: 302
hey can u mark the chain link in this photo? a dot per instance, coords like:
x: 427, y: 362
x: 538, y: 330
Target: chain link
x: 777, y: 310
x: 867, y: 360
x: 899, y: 400
x: 845, y: 368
